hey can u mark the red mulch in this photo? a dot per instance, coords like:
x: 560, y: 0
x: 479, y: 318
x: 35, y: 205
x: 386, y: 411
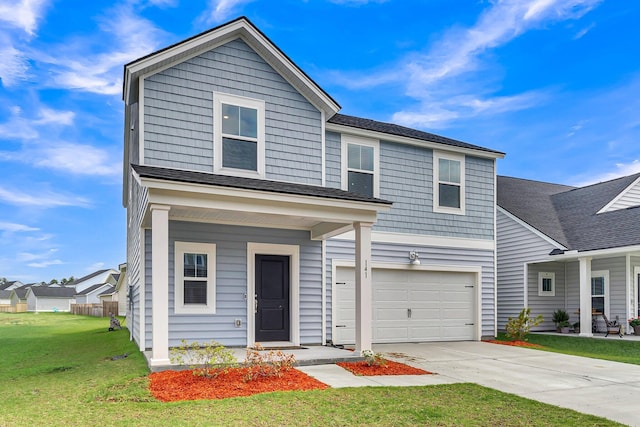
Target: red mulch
x: 389, y: 368
x: 515, y: 343
x: 171, y: 386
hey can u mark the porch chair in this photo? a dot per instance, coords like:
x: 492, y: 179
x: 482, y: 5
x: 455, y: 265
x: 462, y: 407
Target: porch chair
x: 612, y: 327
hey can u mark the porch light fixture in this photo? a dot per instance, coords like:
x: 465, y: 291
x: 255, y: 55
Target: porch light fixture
x: 414, y: 257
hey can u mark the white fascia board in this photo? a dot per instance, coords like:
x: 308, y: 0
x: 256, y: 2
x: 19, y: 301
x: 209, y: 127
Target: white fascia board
x: 598, y: 253
x: 619, y: 196
x: 532, y: 229
x: 424, y: 240
x: 343, y: 129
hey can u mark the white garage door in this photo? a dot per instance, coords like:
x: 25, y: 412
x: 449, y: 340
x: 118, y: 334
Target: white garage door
x: 408, y: 306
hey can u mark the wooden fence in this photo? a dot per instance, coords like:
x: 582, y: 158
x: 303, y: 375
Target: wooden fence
x: 18, y: 308
x: 102, y: 309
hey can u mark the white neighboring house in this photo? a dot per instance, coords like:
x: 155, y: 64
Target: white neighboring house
x: 95, y: 278
x: 45, y: 298
x: 5, y: 297
x: 9, y: 286
x: 91, y: 295
x: 119, y: 292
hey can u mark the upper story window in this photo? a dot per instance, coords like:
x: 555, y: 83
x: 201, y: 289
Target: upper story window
x: 448, y: 183
x: 239, y: 135
x: 195, y: 289
x: 360, y: 165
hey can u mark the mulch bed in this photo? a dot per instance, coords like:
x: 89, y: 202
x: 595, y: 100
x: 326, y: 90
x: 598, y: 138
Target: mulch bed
x: 389, y: 368
x: 515, y: 343
x: 171, y: 386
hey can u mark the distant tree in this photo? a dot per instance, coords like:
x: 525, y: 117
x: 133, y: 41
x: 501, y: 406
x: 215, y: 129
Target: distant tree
x: 53, y: 282
x: 65, y: 281
x: 3, y: 280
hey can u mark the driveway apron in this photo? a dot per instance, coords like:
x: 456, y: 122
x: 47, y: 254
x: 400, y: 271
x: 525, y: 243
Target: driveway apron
x: 592, y: 386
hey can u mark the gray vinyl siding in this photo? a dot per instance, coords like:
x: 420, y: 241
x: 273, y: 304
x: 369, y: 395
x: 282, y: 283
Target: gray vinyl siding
x: 231, y: 283
x: 406, y: 179
x: 397, y: 253
x: 135, y: 210
x: 178, y: 114
x: 516, y: 245
x: 333, y: 171
x: 546, y: 305
x: 629, y: 200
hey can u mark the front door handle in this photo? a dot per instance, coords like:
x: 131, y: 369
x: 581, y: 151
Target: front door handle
x: 255, y: 303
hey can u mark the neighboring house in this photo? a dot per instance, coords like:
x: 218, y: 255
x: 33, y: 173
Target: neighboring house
x: 19, y: 296
x: 109, y: 294
x: 569, y: 248
x: 257, y: 213
x: 47, y: 298
x: 91, y: 295
x: 95, y: 278
x: 7, y: 286
x: 5, y: 297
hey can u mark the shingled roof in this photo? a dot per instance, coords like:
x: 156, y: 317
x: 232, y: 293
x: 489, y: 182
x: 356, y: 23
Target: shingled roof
x: 53, y: 292
x: 252, y: 184
x: 569, y: 215
x: 397, y: 130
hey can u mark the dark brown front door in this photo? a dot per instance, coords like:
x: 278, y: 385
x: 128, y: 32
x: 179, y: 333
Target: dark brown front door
x: 272, y: 298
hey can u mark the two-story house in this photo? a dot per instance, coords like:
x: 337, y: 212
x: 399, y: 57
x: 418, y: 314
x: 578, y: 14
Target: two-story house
x: 257, y: 213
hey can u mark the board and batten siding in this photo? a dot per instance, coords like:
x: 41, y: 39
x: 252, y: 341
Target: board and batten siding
x: 231, y: 283
x: 178, y: 114
x: 517, y: 245
x: 344, y: 250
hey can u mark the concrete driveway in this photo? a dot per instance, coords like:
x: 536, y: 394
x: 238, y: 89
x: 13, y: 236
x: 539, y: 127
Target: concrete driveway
x: 592, y: 386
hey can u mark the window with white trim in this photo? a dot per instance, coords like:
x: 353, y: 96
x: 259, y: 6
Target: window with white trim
x: 239, y: 134
x: 195, y: 272
x: 448, y: 183
x: 599, y: 291
x: 546, y: 284
x: 360, y: 165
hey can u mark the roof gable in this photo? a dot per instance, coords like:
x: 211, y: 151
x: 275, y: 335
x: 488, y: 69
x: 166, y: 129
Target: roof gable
x: 627, y: 198
x: 240, y: 28
x: 571, y: 215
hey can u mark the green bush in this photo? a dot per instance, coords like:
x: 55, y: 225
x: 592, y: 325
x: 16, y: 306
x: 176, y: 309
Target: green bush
x: 208, y: 360
x: 519, y: 328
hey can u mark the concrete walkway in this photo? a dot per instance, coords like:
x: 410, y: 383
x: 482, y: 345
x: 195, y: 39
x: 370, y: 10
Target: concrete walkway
x: 592, y: 386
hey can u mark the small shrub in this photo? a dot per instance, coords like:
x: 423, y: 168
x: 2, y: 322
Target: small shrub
x: 373, y: 359
x: 266, y: 364
x: 560, y: 318
x: 519, y: 328
x: 209, y: 360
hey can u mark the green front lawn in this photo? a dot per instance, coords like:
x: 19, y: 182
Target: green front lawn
x: 58, y: 369
x: 612, y: 348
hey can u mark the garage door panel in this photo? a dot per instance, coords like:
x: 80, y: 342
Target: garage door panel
x: 412, y: 305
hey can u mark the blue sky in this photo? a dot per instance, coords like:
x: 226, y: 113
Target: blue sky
x: 554, y: 84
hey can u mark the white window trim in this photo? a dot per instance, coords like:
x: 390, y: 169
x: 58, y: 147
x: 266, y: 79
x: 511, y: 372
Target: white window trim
x: 437, y: 155
x: 547, y: 275
x: 344, y: 160
x: 293, y: 251
x: 241, y: 101
x: 607, y: 285
x: 202, y: 248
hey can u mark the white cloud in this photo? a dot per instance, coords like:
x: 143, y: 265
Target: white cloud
x: 48, y: 115
x: 621, y: 169
x: 45, y: 264
x: 79, y: 65
x: 29, y: 128
x: 356, y: 2
x: 14, y: 66
x: 14, y: 227
x: 221, y: 10
x: 444, y: 80
x: 76, y: 159
x: 22, y: 14
x: 42, y: 199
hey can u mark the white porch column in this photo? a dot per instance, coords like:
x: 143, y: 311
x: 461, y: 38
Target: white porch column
x: 159, y: 285
x: 363, y: 286
x: 585, y: 297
